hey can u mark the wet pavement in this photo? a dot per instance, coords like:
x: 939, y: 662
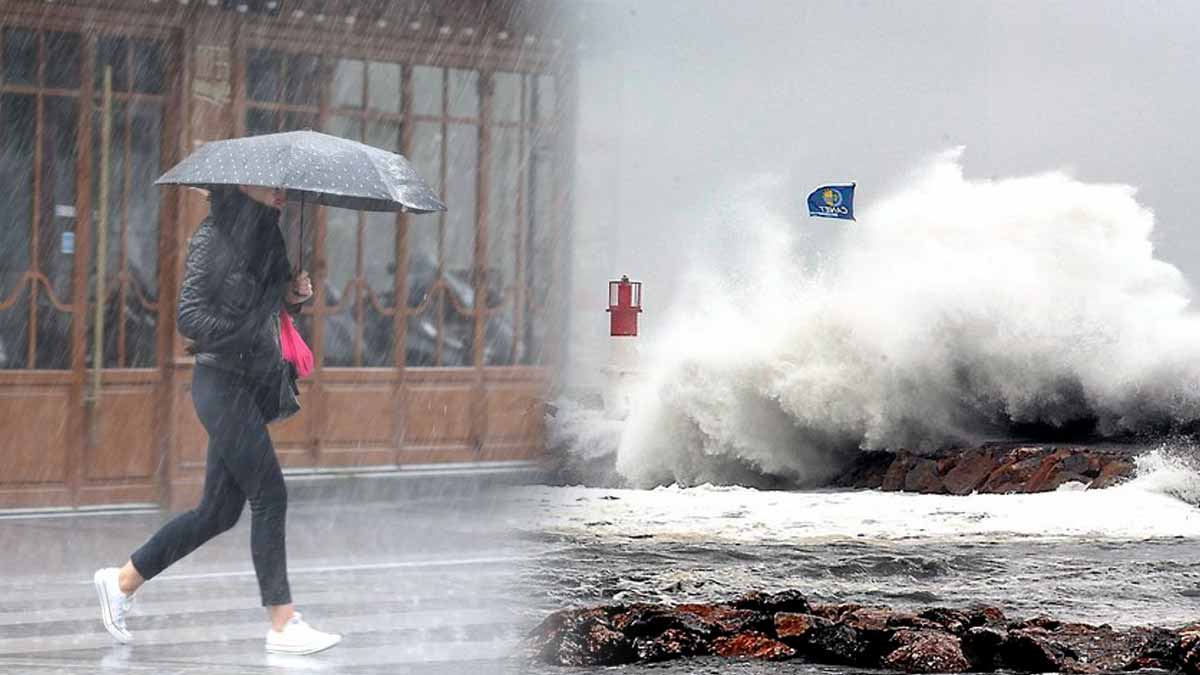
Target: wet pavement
x: 423, y: 584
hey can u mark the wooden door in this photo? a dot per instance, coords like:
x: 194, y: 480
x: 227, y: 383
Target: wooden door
x: 63, y: 441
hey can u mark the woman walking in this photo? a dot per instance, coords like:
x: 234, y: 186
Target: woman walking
x: 237, y: 280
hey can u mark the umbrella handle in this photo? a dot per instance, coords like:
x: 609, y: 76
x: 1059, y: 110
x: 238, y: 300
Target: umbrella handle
x: 300, y: 268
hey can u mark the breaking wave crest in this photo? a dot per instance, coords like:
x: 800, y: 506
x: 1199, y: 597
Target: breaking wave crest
x: 1172, y: 470
x: 952, y: 311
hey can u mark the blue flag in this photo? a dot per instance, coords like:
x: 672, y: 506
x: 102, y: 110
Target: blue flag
x: 832, y: 201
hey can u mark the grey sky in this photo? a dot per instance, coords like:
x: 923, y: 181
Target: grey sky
x: 683, y: 99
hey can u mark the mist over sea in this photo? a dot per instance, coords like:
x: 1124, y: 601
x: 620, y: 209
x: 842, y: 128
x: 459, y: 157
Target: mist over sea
x: 955, y: 310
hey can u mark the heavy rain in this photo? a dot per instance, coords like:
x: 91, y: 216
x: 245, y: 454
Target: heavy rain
x: 552, y: 336
x: 137, y: 319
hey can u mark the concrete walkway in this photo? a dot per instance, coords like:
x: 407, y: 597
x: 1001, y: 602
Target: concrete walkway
x: 417, y: 584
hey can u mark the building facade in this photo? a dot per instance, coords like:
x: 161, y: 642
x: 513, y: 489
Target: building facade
x: 436, y: 336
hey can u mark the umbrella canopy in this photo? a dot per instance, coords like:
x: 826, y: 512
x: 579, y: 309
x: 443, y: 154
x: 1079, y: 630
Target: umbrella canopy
x: 311, y: 166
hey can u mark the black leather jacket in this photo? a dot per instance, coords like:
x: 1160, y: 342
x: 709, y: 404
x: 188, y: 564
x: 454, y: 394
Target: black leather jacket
x: 234, y: 285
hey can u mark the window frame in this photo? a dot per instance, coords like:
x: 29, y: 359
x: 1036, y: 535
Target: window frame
x: 86, y: 96
x: 519, y: 293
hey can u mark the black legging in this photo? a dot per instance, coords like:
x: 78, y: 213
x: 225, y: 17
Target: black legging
x: 241, y: 465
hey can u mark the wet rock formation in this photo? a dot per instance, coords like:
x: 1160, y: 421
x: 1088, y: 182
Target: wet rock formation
x: 786, y: 626
x: 988, y: 469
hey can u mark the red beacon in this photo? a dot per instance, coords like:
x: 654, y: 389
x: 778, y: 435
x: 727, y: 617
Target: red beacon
x: 623, y: 370
x: 624, y: 305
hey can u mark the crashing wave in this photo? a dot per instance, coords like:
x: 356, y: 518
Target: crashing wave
x: 953, y: 311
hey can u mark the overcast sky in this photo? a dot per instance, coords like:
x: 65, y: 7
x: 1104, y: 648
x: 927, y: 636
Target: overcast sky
x: 682, y: 99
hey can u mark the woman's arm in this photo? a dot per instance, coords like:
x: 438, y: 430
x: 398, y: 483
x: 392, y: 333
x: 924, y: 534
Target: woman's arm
x: 196, y: 318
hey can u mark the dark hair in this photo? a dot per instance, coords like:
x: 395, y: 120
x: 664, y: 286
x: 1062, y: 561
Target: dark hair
x: 254, y: 224
x: 231, y: 208
x: 222, y: 199
x: 217, y: 193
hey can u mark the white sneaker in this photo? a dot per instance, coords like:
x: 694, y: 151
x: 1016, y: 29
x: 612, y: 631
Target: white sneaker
x: 298, y: 637
x: 114, y: 605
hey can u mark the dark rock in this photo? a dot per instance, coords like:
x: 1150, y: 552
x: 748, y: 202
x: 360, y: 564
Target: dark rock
x: 837, y: 644
x: 752, y: 645
x: 722, y: 619
x: 770, y: 603
x: 1060, y: 479
x: 954, y: 620
x: 981, y: 645
x: 905, y: 620
x: 1037, y: 622
x: 1143, y: 647
x: 597, y: 645
x: 672, y: 643
x: 1081, y: 464
x: 924, y: 478
x: 1187, y: 650
x: 580, y: 638
x: 946, y: 464
x: 1113, y: 473
x: 874, y: 628
x: 1047, y: 468
x: 642, y: 620
x: 1150, y: 663
x: 935, y: 639
x: 1066, y: 466
x: 834, y: 612
x: 897, y: 473
x: 1106, y: 649
x: 1081, y: 648
x: 867, y: 471
x: 969, y: 473
x: 1157, y: 643
x: 544, y: 641
x: 868, y: 618
x: 1014, y: 474
x: 985, y: 615
x: 904, y: 637
x: 1032, y: 651
x: 928, y: 652
x: 987, y: 469
x: 794, y: 629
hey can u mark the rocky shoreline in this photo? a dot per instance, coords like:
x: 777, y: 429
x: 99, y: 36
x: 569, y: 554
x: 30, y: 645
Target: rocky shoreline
x: 994, y: 469
x: 785, y: 625
x: 999, y: 467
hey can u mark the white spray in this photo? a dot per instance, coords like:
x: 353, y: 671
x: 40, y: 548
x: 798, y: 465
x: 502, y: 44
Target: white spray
x: 952, y: 310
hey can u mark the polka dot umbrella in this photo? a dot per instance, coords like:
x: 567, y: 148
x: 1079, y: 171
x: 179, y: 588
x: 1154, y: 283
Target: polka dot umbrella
x: 311, y: 166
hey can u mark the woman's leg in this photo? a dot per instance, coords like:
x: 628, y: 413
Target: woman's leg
x: 255, y: 468
x: 268, y: 545
x: 223, y: 499
x: 129, y: 579
x: 218, y: 511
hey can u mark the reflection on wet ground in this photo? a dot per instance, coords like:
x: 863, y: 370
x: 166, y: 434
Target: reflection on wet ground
x: 416, y: 586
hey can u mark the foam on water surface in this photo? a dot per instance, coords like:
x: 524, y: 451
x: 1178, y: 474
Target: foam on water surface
x: 1155, y: 504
